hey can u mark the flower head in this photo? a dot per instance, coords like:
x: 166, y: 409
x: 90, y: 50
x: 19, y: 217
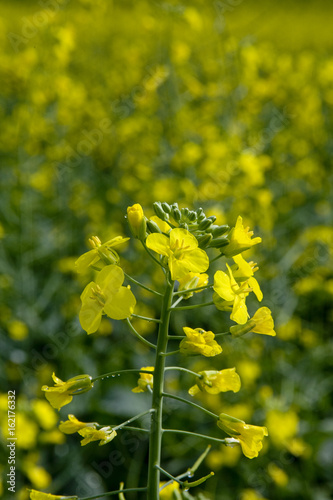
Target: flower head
x: 228, y: 289
x: 192, y: 280
x: 62, y: 393
x: 181, y: 250
x: 145, y: 381
x: 215, y: 382
x: 137, y: 221
x: 261, y: 322
x: 73, y: 425
x: 39, y: 495
x: 104, y: 435
x: 240, y: 239
x: 244, y: 272
x: 249, y: 436
x: 107, y: 296
x: 101, y: 254
x: 199, y: 341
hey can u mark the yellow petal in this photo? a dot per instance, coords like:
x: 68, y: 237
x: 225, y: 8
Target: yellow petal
x: 239, y: 311
x: 253, y: 283
x: 222, y: 286
x: 57, y: 399
x: 86, y: 260
x: 91, y: 311
x: 183, y: 236
x: 159, y: 243
x: 121, y: 304
x: 196, y: 260
x: 110, y: 278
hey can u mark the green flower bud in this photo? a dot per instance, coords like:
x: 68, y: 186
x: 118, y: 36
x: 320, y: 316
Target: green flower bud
x: 192, y: 216
x: 176, y: 214
x: 203, y: 241
x: 205, y: 224
x: 166, y: 207
x: 219, y: 230
x: 159, y: 210
x: 219, y: 242
x: 153, y: 227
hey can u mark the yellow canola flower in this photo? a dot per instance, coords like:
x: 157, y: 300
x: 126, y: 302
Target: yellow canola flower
x: 73, y: 425
x: 261, y: 322
x: 192, y: 280
x: 214, y: 382
x: 240, y: 239
x: 228, y: 289
x: 167, y: 492
x: 146, y: 380
x: 107, y: 296
x: 199, y: 341
x: 62, y: 393
x: 181, y: 249
x: 100, y: 255
x: 137, y: 221
x: 249, y: 436
x: 245, y: 272
x: 90, y: 434
x: 39, y: 495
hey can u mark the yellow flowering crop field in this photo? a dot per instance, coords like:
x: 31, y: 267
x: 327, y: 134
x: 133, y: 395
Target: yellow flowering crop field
x: 149, y: 140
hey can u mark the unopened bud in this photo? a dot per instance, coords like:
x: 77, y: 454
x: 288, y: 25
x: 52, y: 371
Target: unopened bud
x: 219, y: 230
x: 79, y: 384
x: 239, y: 330
x: 219, y: 242
x: 204, y: 241
x: 205, y: 224
x: 153, y: 227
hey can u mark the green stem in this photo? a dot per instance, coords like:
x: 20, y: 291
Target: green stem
x: 131, y: 420
x: 145, y: 318
x: 221, y: 334
x: 157, y: 398
x: 142, y: 285
x: 169, y: 353
x: 195, y: 434
x: 182, y: 292
x: 181, y: 369
x: 170, y: 476
x: 139, y: 429
x: 178, y: 398
x: 152, y: 256
x: 177, y: 302
x: 215, y: 258
x: 194, y: 306
x: 137, y: 334
x: 119, y: 372
x: 109, y: 493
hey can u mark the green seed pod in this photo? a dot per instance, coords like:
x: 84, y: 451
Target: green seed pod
x: 153, y: 227
x: 219, y: 242
x: 203, y: 241
x: 205, y: 224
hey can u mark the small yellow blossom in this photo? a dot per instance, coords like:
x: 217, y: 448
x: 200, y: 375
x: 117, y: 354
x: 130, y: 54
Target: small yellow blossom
x: 181, y: 249
x: 228, y: 289
x: 199, y: 341
x: 62, y: 393
x: 39, y: 495
x: 145, y: 381
x: 244, y: 272
x: 239, y: 239
x: 192, y: 280
x: 73, y: 425
x: 101, y: 254
x: 107, y: 296
x: 249, y: 436
x: 264, y: 323
x: 137, y: 221
x: 215, y: 382
x: 104, y: 435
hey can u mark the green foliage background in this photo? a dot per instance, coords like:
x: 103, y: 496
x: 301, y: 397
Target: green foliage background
x: 225, y: 105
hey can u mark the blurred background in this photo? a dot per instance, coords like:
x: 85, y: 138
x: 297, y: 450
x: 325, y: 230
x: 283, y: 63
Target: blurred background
x: 225, y: 105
